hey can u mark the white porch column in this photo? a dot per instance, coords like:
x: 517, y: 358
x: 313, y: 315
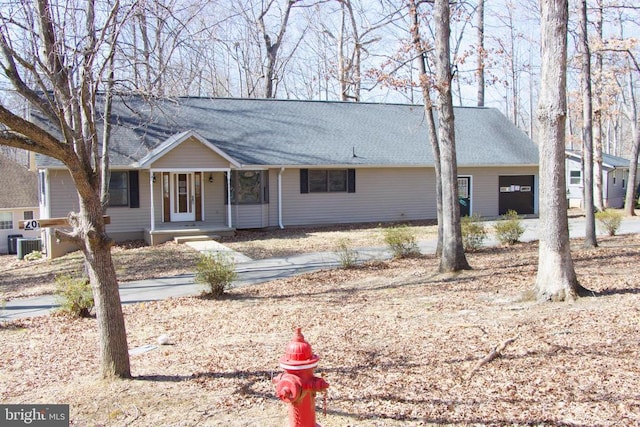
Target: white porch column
x: 280, y: 224
x: 153, y: 211
x: 229, y: 222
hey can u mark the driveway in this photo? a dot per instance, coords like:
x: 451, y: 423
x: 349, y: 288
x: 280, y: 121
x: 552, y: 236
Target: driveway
x: 259, y: 271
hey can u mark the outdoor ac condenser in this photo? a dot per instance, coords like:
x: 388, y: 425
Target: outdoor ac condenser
x: 28, y: 245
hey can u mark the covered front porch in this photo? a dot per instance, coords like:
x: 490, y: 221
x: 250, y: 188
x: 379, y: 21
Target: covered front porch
x: 188, y: 203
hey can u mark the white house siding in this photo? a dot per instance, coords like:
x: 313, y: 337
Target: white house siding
x: 574, y: 191
x: 382, y: 194
x: 615, y: 190
x: 17, y: 214
x: 191, y: 154
x: 485, y: 190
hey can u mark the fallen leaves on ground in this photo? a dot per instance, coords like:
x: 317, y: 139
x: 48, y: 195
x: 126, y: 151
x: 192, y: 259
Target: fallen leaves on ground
x: 396, y: 340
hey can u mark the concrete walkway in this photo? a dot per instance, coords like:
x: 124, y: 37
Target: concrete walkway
x: 258, y: 271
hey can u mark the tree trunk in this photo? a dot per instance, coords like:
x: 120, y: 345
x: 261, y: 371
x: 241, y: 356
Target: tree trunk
x: 587, y: 152
x: 597, y: 121
x: 556, y: 279
x: 453, y: 258
x: 428, y: 113
x: 630, y: 197
x: 114, y: 360
x: 481, y: 53
x: 89, y: 230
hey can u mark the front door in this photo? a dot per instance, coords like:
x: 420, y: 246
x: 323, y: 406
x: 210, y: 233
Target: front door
x: 182, y: 197
x: 464, y: 195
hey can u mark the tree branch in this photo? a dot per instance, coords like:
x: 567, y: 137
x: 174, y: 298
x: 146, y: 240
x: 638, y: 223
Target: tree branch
x: 493, y: 354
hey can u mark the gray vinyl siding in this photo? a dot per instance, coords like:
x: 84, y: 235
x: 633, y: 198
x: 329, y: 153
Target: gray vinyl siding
x: 387, y: 194
x: 382, y: 194
x: 215, y: 207
x: 191, y: 154
x: 485, y: 190
x: 250, y: 216
x: 64, y: 198
x: 615, y: 192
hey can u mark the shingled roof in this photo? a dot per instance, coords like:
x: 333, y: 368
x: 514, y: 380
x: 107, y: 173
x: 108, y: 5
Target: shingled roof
x: 18, y: 185
x: 304, y: 133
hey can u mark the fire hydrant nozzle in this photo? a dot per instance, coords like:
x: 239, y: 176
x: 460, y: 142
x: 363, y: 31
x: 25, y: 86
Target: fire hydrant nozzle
x: 298, y: 386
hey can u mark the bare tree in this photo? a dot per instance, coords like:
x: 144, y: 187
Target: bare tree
x: 481, y: 53
x: 632, y: 113
x: 556, y: 279
x: 65, y: 61
x: 272, y: 47
x: 587, y: 133
x: 425, y: 84
x: 453, y: 258
x: 597, y: 114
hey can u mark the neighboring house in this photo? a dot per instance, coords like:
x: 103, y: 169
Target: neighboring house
x: 615, y: 177
x: 18, y: 200
x: 204, y: 166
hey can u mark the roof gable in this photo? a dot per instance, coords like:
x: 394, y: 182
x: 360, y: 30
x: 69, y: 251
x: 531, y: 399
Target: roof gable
x: 19, y: 187
x: 609, y: 161
x: 173, y: 142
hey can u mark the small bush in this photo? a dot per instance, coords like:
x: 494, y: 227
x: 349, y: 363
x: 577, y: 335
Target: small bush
x: 509, y: 229
x: 402, y: 241
x: 473, y: 232
x: 35, y: 255
x: 347, y: 256
x: 609, y: 220
x: 215, y: 271
x: 74, y: 295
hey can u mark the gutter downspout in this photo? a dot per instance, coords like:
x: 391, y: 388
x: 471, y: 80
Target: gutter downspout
x: 280, y: 224
x: 153, y: 210
x: 229, y: 198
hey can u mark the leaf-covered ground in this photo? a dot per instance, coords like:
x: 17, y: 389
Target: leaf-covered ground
x: 398, y: 345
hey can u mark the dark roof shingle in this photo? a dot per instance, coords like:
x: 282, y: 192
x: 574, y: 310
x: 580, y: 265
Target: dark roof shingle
x: 305, y: 133
x: 18, y: 185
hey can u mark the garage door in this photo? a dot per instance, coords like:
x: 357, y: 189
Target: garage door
x: 516, y: 193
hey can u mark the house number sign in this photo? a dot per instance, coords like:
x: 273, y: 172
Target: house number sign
x: 31, y: 224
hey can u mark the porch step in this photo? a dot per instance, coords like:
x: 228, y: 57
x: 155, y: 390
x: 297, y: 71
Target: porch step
x: 201, y: 238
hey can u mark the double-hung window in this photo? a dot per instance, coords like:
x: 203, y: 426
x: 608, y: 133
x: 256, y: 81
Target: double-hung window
x: 327, y: 180
x: 119, y: 189
x: 6, y: 220
x: 575, y: 177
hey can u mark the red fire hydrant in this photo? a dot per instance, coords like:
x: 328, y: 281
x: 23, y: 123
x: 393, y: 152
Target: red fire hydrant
x: 298, y: 386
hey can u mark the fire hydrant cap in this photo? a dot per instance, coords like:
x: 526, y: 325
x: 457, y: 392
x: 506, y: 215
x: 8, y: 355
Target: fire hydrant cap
x: 298, y: 353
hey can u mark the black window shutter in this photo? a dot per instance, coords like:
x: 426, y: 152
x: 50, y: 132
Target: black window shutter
x: 351, y: 180
x: 304, y: 181
x: 134, y: 190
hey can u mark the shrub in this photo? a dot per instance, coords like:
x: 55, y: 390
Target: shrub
x: 35, y: 255
x: 216, y: 272
x: 509, y: 229
x: 74, y: 295
x: 609, y: 220
x: 473, y: 232
x: 347, y: 256
x: 402, y: 241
